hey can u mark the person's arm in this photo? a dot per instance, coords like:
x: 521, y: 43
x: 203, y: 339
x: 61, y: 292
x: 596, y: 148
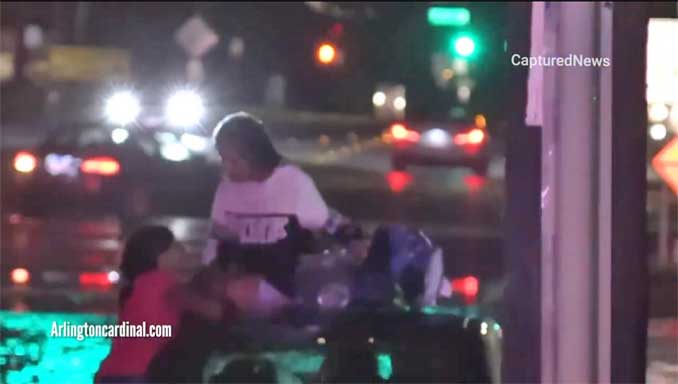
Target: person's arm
x: 189, y: 300
x: 312, y: 211
x: 219, y: 231
x: 216, y: 229
x: 204, y: 295
x: 335, y: 222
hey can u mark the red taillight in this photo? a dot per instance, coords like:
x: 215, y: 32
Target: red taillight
x: 474, y: 137
x: 95, y: 279
x: 25, y: 162
x: 104, y: 166
x: 20, y: 276
x: 467, y: 286
x: 400, y: 133
x: 398, y: 181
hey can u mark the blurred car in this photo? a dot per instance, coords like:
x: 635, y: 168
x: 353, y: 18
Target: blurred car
x: 387, y: 317
x: 371, y: 346
x: 127, y: 172
x: 456, y: 144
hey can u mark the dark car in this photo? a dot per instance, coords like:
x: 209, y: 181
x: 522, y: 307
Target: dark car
x: 457, y: 144
x: 378, y: 319
x: 366, y: 346
x: 127, y: 172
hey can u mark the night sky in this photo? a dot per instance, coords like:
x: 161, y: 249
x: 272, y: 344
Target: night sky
x: 280, y: 38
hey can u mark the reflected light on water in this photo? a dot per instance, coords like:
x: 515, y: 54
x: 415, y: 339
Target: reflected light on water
x: 474, y: 183
x: 398, y: 181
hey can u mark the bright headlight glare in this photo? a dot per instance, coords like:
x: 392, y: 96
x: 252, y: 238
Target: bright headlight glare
x: 119, y: 135
x: 184, y: 109
x: 194, y: 142
x: 122, y: 108
x: 399, y: 103
x: 379, y: 99
x: 175, y: 152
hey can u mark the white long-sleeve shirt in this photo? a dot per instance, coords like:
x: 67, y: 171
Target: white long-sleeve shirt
x: 255, y: 211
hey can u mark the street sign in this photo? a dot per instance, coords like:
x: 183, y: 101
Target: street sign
x: 666, y: 164
x: 83, y: 63
x: 448, y: 16
x: 196, y: 37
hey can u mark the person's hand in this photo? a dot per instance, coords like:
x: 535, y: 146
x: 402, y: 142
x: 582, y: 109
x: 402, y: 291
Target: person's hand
x: 221, y: 232
x: 359, y: 250
x: 252, y: 295
x: 213, y: 312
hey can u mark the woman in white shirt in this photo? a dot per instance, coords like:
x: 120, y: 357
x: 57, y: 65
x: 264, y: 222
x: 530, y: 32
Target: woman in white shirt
x: 261, y: 199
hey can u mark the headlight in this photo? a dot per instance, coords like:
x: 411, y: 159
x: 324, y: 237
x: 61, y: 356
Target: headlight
x: 195, y: 143
x: 379, y: 99
x: 119, y: 135
x: 184, y: 109
x: 399, y: 103
x: 122, y: 108
x: 175, y: 152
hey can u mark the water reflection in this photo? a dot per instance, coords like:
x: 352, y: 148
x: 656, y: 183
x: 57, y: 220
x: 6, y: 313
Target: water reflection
x: 474, y: 183
x: 398, y: 181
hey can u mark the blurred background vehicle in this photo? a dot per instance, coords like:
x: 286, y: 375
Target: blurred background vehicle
x: 460, y: 144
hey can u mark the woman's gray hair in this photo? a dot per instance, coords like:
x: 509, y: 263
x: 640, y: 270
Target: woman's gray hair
x: 248, y: 136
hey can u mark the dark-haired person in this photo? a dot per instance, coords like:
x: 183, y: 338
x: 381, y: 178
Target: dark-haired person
x: 151, y: 292
x: 264, y: 207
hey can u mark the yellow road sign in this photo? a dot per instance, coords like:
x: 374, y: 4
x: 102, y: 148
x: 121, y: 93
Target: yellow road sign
x: 666, y: 164
x: 81, y: 63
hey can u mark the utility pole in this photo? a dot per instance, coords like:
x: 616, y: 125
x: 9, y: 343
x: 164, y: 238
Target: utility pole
x: 594, y: 255
x: 578, y: 311
x: 81, y: 21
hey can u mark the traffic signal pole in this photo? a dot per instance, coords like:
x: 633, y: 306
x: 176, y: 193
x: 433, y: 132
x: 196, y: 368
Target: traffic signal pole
x: 589, y: 320
x: 573, y: 297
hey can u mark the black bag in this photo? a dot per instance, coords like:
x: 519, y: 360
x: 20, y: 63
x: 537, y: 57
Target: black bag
x: 277, y: 262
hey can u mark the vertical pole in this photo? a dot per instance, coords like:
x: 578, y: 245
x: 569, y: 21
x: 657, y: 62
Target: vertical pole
x: 604, y: 195
x: 594, y: 259
x: 575, y: 132
x: 630, y: 266
x: 663, y: 229
x: 576, y: 191
x: 81, y: 20
x: 521, y: 314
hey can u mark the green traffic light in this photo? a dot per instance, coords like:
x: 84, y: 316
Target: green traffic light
x: 464, y: 46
